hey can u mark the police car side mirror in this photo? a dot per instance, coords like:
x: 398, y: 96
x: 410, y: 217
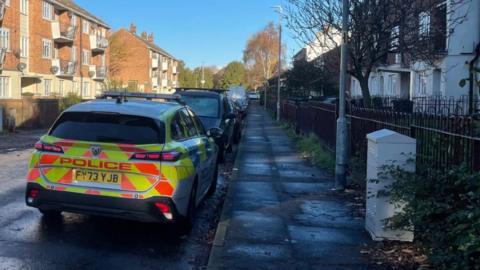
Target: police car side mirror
x: 215, y: 132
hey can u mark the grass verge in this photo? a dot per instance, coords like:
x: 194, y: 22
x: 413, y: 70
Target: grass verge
x: 312, y: 149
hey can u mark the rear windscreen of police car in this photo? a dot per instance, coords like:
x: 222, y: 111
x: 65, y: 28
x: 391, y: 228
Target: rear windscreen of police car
x: 108, y: 128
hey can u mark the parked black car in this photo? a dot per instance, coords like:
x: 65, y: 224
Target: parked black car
x: 214, y: 110
x: 240, y: 115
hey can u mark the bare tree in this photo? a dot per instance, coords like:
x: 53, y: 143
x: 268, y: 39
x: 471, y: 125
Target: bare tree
x: 415, y: 30
x: 261, y: 55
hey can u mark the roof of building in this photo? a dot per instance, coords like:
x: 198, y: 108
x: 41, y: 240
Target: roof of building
x: 152, y: 45
x: 70, y: 5
x: 151, y: 109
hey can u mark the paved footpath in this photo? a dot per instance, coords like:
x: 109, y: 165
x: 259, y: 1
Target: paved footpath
x: 281, y: 213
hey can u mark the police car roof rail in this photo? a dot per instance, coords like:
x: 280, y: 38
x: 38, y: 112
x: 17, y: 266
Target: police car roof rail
x: 123, y: 96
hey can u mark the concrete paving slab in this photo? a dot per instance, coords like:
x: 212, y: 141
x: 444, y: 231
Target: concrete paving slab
x: 281, y: 213
x: 257, y: 227
x: 327, y: 236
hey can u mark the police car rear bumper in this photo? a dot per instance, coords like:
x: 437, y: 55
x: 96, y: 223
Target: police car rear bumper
x: 133, y: 209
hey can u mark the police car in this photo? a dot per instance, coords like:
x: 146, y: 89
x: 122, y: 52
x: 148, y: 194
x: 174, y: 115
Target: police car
x: 125, y: 155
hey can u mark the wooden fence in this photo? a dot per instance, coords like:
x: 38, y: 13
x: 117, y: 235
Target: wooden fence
x: 30, y: 113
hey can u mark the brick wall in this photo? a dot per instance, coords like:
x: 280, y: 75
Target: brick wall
x: 11, y: 21
x: 136, y: 64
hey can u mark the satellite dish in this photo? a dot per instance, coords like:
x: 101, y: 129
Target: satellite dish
x: 21, y: 66
x: 91, y: 73
x: 54, y: 70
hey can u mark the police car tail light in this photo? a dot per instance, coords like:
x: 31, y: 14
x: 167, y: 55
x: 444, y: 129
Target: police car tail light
x: 165, y: 209
x: 45, y: 147
x: 157, y: 156
x: 32, y: 195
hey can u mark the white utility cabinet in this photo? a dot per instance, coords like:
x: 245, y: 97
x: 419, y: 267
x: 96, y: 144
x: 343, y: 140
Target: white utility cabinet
x: 386, y: 147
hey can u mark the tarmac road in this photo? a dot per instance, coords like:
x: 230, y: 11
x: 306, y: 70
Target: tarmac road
x: 29, y: 241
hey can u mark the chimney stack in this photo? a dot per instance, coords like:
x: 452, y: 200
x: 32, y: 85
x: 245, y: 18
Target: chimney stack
x: 144, y: 35
x: 133, y: 28
x: 150, y: 38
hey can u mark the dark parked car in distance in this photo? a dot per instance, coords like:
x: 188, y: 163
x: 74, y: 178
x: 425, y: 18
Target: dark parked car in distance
x: 214, y: 110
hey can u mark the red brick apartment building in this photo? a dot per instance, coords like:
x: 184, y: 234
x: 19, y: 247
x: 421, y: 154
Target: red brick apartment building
x: 140, y: 64
x: 51, y: 48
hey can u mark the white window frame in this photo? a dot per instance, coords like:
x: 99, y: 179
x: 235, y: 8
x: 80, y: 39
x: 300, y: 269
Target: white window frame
x: 424, y: 20
x: 395, y: 42
x: 74, y: 20
x: 73, y: 55
x: 61, y: 85
x: 5, y: 38
x: 47, y: 49
x: 24, y: 42
x: 85, y: 89
x: 24, y: 7
x: 86, y: 57
x: 85, y: 26
x: 47, y: 10
x: 47, y: 87
x: 4, y: 87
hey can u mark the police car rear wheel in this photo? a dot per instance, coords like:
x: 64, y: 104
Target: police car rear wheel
x: 185, y: 224
x: 213, y: 185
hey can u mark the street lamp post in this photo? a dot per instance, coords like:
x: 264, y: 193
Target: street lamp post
x: 203, y: 77
x: 279, y: 10
x: 341, y: 145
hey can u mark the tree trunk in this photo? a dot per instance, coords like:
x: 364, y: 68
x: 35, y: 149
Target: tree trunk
x: 367, y: 99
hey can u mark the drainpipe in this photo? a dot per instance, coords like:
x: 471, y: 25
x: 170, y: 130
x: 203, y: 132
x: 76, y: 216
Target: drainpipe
x: 471, y: 104
x: 80, y: 58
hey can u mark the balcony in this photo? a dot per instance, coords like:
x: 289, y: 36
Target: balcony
x: 164, y: 66
x: 64, y: 68
x: 155, y: 63
x: 63, y: 33
x: 3, y: 6
x: 99, y: 73
x: 98, y: 44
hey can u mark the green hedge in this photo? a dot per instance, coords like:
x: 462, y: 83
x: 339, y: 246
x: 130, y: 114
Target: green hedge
x: 444, y: 207
x: 69, y: 100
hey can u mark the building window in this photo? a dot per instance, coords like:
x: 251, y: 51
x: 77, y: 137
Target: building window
x: 24, y: 7
x: 47, y: 85
x: 47, y: 48
x: 5, y: 38
x: 4, y: 87
x: 47, y: 12
x: 74, y: 20
x: 73, y: 56
x: 132, y: 85
x: 60, y: 87
x: 85, y: 57
x: 422, y: 83
x: 7, y: 3
x: 395, y: 38
x: 85, y: 89
x: 75, y: 87
x: 85, y: 27
x: 23, y: 46
x: 424, y: 27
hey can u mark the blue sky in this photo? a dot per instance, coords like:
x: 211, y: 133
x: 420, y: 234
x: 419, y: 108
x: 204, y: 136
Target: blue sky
x: 196, y: 31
